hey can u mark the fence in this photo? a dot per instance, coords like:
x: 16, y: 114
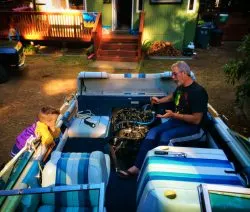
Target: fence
x: 47, y: 25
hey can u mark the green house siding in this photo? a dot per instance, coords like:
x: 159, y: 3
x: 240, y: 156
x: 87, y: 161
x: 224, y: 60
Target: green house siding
x: 107, y: 15
x: 169, y: 22
x: 106, y: 9
x: 94, y: 5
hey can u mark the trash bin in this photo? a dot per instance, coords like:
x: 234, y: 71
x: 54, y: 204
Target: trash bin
x: 202, y: 37
x: 223, y: 18
x: 216, y: 37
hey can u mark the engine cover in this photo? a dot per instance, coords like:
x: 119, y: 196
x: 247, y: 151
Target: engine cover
x: 79, y: 129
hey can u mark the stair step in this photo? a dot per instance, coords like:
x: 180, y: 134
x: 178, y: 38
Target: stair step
x: 117, y: 58
x: 118, y: 52
x: 113, y: 46
x: 120, y: 39
x: 122, y: 36
x: 118, y: 47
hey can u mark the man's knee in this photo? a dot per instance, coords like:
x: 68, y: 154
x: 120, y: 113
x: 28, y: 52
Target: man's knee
x: 152, y: 134
x: 165, y: 139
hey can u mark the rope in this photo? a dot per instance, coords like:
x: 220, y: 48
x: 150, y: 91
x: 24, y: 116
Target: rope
x: 84, y: 114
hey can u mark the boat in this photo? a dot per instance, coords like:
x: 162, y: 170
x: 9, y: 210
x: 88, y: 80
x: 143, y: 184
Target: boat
x: 102, y: 127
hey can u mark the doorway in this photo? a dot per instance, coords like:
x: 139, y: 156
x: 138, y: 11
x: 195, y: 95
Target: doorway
x: 122, y: 15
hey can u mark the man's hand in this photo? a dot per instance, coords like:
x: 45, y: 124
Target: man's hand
x: 168, y: 114
x: 194, y: 118
x: 155, y: 100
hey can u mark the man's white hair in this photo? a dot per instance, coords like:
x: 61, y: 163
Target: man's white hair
x: 182, y: 66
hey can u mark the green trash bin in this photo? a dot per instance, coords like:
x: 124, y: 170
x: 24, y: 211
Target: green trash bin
x: 223, y: 18
x: 202, y: 37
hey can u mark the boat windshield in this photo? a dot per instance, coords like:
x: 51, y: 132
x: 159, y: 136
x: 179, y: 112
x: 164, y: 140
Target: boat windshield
x: 219, y: 198
x: 120, y: 85
x: 241, y: 139
x: 71, y: 197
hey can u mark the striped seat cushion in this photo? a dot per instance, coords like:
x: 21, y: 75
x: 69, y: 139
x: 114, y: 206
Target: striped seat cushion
x: 71, y: 169
x: 51, y: 208
x: 183, y: 169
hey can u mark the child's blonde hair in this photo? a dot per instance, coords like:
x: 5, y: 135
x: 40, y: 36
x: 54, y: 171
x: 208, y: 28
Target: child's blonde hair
x: 43, y: 115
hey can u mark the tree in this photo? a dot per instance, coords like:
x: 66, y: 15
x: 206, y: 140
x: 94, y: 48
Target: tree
x: 238, y: 70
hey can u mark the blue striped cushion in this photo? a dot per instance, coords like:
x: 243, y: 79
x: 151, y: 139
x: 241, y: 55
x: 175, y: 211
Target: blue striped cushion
x: 71, y: 169
x: 51, y: 208
x: 76, y: 170
x: 160, y: 174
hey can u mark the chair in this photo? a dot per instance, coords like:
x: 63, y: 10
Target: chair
x: 73, y: 169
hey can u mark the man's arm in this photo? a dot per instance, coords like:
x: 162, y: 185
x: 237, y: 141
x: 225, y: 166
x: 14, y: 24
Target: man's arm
x: 194, y: 118
x: 164, y: 99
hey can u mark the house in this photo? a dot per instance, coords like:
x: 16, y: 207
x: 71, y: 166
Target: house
x: 124, y: 28
x: 170, y: 20
x: 118, y: 30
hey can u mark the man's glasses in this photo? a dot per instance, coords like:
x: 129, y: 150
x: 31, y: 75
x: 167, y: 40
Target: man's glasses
x: 174, y: 74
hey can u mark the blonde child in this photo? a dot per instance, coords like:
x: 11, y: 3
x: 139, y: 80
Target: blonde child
x: 44, y: 128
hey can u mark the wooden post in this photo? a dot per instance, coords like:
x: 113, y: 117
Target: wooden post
x: 34, y: 5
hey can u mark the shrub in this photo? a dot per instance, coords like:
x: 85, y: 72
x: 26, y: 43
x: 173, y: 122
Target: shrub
x: 90, y: 50
x: 31, y: 49
x: 146, y: 45
x: 238, y: 70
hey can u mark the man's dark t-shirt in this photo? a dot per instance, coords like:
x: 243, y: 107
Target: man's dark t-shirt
x: 191, y: 99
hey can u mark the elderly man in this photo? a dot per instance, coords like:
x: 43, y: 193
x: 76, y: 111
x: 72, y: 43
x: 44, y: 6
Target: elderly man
x: 190, y: 114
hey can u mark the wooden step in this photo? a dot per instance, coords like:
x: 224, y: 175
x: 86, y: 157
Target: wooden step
x: 118, y: 47
x: 117, y: 58
x: 113, y: 46
x: 119, y: 39
x: 118, y: 52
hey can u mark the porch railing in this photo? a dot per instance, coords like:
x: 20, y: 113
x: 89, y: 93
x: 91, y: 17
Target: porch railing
x: 47, y: 25
x: 97, y: 33
x: 140, y: 33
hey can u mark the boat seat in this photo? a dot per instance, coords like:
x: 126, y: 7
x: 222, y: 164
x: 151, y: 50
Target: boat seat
x: 73, y: 169
x: 196, y: 140
x: 179, y: 172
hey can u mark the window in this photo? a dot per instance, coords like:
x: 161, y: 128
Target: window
x: 78, y: 4
x: 191, y: 6
x: 139, y: 5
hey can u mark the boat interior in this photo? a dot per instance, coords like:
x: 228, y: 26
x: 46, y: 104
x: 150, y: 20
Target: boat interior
x: 102, y: 128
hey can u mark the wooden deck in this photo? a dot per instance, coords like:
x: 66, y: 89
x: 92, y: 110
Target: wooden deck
x: 47, y: 25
